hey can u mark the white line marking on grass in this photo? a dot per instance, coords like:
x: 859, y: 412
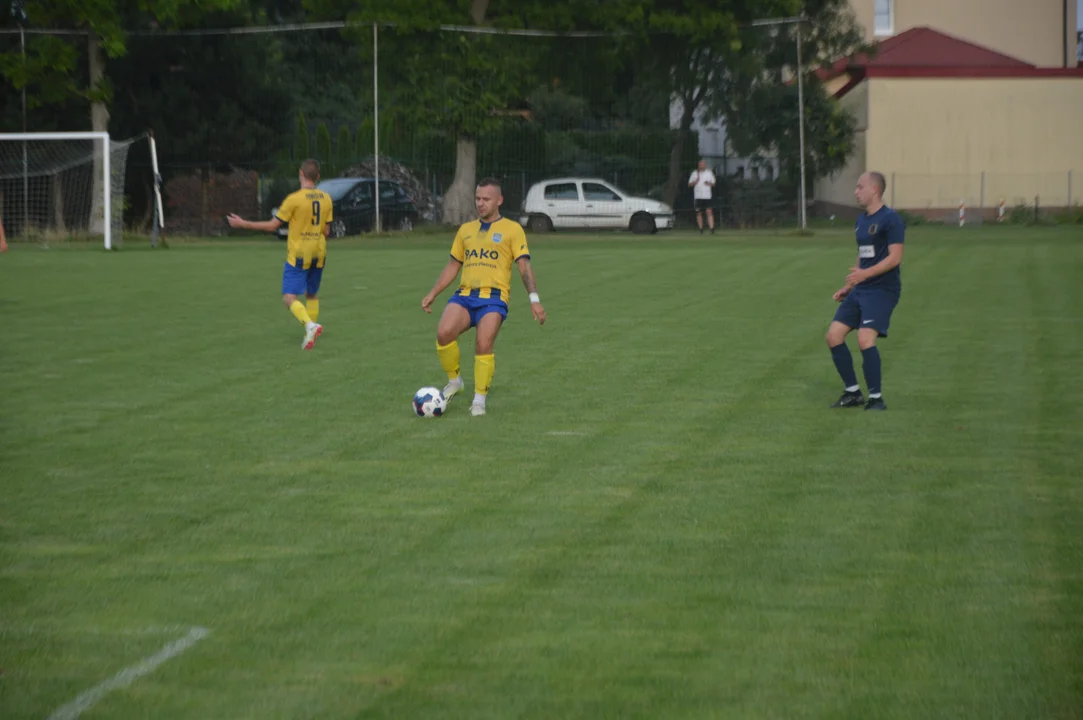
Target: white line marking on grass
x: 84, y: 701
x: 565, y: 433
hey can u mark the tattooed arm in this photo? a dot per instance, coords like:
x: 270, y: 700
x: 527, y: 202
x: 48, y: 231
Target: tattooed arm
x: 527, y: 274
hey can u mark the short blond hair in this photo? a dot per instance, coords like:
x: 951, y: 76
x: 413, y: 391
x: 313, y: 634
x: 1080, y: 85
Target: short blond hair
x: 311, y: 169
x: 879, y: 180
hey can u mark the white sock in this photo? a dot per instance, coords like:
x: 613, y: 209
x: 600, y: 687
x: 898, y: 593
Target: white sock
x: 310, y: 325
x: 873, y: 395
x: 457, y: 382
x: 853, y: 388
x: 479, y: 399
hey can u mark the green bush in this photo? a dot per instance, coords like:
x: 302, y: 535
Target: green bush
x: 1071, y: 216
x: 911, y: 220
x: 276, y: 190
x: 1021, y: 214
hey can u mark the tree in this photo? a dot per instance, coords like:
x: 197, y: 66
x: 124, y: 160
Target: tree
x: 50, y: 62
x: 215, y: 102
x: 344, y: 148
x: 323, y: 149
x: 462, y: 82
x: 302, y: 142
x: 363, y: 140
x: 335, y: 79
x: 687, y: 46
x: 767, y: 120
x: 760, y: 102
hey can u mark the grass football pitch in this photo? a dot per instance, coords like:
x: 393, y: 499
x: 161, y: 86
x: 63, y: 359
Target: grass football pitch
x: 658, y: 518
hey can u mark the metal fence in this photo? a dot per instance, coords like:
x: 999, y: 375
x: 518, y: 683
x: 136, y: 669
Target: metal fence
x: 984, y: 192
x: 234, y: 115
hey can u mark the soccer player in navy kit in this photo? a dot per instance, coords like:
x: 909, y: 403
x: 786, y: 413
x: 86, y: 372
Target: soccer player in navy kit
x: 870, y: 294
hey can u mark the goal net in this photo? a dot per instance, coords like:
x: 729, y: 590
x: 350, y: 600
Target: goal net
x: 56, y: 186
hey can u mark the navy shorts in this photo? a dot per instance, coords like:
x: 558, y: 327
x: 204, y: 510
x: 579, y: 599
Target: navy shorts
x: 703, y: 204
x: 867, y: 309
x: 478, y: 307
x: 298, y: 281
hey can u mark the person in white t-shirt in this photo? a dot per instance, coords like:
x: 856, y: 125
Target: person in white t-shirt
x: 702, y: 183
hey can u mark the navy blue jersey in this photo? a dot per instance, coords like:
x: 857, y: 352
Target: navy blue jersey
x: 874, y: 234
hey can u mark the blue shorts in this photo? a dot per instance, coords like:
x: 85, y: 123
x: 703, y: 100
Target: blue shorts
x: 478, y: 307
x: 868, y: 309
x: 298, y: 281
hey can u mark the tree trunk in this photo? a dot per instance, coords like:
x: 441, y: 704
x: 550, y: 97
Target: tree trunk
x: 99, y: 122
x: 676, y: 172
x: 58, y: 205
x: 204, y: 188
x: 459, y: 199
x: 477, y: 10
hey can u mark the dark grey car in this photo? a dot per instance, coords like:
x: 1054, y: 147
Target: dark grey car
x: 355, y: 206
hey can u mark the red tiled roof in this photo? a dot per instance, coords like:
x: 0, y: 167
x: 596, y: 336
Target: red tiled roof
x: 925, y: 47
x: 924, y: 52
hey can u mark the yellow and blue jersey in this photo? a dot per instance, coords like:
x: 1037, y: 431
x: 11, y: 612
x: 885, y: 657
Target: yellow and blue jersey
x: 488, y: 251
x: 306, y: 212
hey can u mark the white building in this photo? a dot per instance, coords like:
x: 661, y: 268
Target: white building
x: 713, y: 147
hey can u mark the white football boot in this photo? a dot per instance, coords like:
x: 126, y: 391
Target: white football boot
x: 312, y: 331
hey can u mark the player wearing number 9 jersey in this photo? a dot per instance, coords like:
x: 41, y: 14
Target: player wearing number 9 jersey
x: 308, y: 214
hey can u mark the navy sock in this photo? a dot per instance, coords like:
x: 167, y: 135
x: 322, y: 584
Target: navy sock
x: 844, y: 363
x: 870, y: 358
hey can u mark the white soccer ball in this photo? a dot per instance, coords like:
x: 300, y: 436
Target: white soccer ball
x: 429, y: 402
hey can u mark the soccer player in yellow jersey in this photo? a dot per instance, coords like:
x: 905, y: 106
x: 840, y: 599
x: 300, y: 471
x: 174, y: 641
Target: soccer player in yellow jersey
x: 485, y: 250
x: 308, y: 213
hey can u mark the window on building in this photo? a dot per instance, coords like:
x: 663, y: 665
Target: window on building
x: 885, y: 17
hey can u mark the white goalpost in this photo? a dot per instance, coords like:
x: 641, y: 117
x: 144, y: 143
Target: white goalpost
x: 63, y: 184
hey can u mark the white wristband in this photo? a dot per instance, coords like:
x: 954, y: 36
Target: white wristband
x: 534, y: 298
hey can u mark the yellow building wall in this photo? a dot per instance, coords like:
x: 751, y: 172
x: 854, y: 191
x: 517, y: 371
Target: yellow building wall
x: 934, y: 138
x: 1030, y: 30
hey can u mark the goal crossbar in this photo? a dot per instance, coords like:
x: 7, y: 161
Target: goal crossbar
x: 55, y: 136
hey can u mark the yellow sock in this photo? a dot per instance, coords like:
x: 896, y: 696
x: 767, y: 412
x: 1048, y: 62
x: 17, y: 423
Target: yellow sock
x: 299, y: 312
x: 484, y: 367
x: 313, y: 307
x: 449, y: 358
